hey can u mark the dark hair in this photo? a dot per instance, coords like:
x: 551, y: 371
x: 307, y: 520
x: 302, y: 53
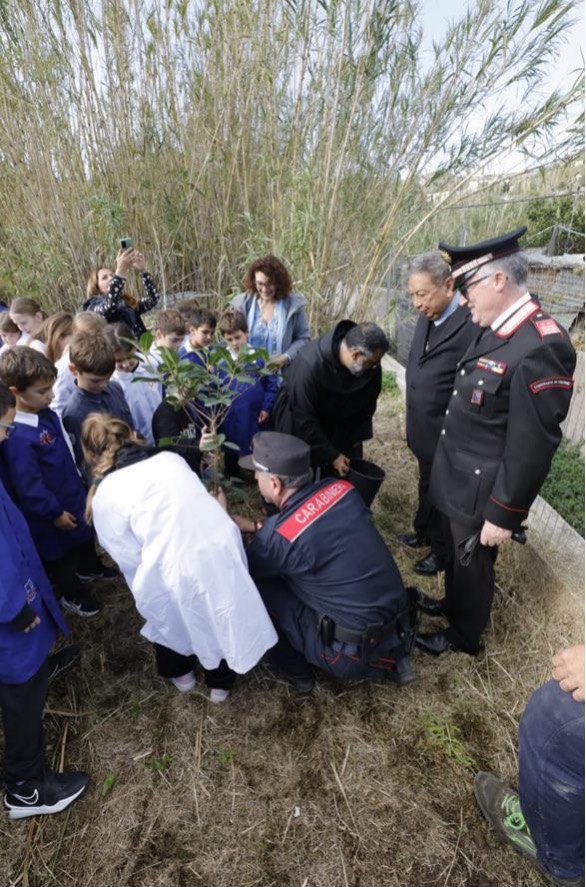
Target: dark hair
x: 117, y: 335
x: 201, y: 316
x: 23, y: 366
x: 169, y: 321
x: 367, y: 338
x: 274, y: 270
x: 92, y: 353
x: 7, y: 325
x: 7, y: 399
x: 233, y: 321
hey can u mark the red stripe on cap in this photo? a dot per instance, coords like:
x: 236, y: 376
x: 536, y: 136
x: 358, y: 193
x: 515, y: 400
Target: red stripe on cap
x: 313, y: 508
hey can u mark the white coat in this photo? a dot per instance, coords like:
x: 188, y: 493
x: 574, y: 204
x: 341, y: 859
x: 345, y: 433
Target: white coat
x: 183, y: 560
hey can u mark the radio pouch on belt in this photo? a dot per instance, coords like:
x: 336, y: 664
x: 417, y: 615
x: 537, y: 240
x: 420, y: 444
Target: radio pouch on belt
x: 325, y: 627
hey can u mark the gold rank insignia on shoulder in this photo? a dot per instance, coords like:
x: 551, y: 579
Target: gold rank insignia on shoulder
x: 445, y: 256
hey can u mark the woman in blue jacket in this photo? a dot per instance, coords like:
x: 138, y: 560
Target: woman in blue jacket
x: 275, y: 314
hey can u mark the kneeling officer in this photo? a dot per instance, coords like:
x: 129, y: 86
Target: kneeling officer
x: 325, y: 573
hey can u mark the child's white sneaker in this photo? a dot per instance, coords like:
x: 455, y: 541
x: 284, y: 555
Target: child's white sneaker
x: 218, y: 696
x: 185, y: 682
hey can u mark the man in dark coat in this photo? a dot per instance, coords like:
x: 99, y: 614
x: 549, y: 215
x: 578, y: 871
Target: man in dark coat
x: 324, y: 571
x: 442, y: 335
x: 330, y: 391
x: 502, y: 427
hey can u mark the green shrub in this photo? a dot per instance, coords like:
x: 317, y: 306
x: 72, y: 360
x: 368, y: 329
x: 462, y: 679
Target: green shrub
x: 389, y: 385
x: 564, y: 485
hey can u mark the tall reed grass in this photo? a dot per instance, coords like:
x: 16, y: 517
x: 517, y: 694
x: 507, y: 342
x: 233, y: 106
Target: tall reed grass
x: 216, y: 131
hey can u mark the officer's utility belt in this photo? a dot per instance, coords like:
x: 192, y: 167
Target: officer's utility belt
x: 399, y: 631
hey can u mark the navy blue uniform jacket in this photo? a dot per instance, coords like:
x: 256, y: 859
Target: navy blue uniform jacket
x: 511, y: 392
x: 45, y: 483
x: 24, y: 593
x: 241, y: 421
x: 331, y: 556
x: 82, y: 403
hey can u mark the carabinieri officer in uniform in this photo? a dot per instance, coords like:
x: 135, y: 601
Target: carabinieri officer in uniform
x: 324, y: 572
x: 501, y: 429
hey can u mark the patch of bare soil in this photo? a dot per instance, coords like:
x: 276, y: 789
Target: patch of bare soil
x: 358, y: 784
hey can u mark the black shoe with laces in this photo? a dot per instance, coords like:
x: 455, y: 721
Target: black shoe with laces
x: 431, y: 606
x: 102, y: 572
x: 412, y: 540
x: 429, y: 566
x: 52, y: 793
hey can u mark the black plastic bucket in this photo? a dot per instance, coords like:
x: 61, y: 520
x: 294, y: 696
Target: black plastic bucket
x: 366, y: 477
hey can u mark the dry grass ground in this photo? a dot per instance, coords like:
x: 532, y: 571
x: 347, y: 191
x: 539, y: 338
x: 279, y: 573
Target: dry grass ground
x: 355, y: 785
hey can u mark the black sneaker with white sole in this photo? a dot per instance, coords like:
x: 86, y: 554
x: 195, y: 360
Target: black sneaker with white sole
x: 63, y: 659
x: 82, y: 604
x: 103, y: 572
x: 51, y: 794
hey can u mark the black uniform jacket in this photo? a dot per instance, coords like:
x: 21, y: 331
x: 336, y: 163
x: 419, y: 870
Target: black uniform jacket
x: 325, y: 547
x: 502, y: 425
x: 430, y: 378
x: 323, y: 403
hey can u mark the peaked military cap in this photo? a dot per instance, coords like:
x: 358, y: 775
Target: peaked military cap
x: 277, y: 453
x: 467, y: 259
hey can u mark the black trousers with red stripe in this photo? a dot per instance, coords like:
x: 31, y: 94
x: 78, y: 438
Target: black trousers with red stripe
x: 300, y: 645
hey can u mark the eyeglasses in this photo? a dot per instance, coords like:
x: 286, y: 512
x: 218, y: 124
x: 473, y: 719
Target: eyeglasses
x: 464, y: 287
x: 8, y: 428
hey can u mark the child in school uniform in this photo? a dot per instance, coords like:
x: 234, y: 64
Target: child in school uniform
x: 84, y: 322
x: 144, y: 397
x: 92, y: 363
x: 202, y: 326
x: 251, y: 410
x: 186, y: 308
x: 29, y: 317
x: 169, y: 333
x: 29, y: 623
x: 45, y: 482
x: 9, y: 332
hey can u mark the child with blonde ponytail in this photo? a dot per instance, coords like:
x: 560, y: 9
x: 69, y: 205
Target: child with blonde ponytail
x: 181, y: 556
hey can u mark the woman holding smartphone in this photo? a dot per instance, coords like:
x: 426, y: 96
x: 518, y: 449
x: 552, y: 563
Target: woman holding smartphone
x: 106, y: 293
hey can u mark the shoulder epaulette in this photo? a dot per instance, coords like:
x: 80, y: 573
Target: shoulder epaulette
x: 545, y: 325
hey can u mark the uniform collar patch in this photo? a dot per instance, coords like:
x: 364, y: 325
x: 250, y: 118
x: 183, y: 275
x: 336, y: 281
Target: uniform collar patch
x: 527, y: 310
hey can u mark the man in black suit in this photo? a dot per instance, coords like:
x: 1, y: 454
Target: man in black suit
x: 442, y: 335
x: 511, y: 393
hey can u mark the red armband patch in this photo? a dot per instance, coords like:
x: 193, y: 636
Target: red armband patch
x: 540, y: 385
x: 313, y: 508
